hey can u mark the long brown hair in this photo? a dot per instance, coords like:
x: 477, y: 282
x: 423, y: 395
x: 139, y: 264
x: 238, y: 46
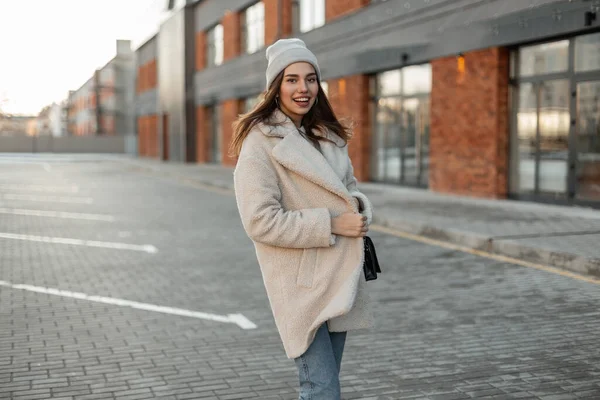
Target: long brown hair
x: 320, y: 117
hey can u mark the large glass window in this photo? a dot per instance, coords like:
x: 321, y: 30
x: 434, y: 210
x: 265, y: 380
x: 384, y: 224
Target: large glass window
x: 556, y: 140
x: 588, y: 140
x: 544, y: 58
x: 310, y: 14
x: 251, y: 102
x: 527, y: 137
x: 325, y: 87
x: 401, y: 125
x: 587, y: 53
x: 214, y: 46
x: 253, y: 28
x: 214, y: 128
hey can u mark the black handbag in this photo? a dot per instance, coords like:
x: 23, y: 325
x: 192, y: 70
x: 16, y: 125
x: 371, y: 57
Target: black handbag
x: 370, y: 265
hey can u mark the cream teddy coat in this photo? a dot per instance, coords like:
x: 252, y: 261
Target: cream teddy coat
x: 287, y: 192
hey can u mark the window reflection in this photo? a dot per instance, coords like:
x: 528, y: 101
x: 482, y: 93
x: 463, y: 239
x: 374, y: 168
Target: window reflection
x: 325, y: 87
x: 214, y: 48
x: 388, y: 83
x: 251, y: 102
x: 554, y: 136
x: 588, y: 140
x: 543, y: 162
x: 416, y: 79
x: 214, y: 127
x: 587, y: 53
x: 253, y: 25
x: 312, y: 14
x: 401, y: 132
x: 544, y: 58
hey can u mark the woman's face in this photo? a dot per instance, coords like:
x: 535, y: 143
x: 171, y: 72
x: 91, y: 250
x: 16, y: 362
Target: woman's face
x: 298, y: 90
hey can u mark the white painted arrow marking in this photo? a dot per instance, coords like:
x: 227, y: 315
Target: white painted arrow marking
x: 237, y: 319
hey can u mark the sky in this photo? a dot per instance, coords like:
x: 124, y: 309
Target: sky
x: 48, y: 47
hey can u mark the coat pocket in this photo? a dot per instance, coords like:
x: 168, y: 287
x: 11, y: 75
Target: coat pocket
x: 307, y: 268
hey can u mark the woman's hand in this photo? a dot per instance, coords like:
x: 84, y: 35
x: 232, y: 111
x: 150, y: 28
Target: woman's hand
x: 349, y: 224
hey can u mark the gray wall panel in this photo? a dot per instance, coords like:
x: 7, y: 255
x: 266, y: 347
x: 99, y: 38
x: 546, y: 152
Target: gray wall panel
x: 147, y: 103
x: 377, y: 37
x: 124, y: 99
x: 147, y: 52
x: 171, y: 83
x: 209, y: 13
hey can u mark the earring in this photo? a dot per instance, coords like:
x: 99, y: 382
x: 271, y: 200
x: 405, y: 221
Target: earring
x: 317, y: 101
x: 277, y: 101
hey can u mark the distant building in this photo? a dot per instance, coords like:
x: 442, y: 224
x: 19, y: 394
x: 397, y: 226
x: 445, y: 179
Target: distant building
x: 32, y: 127
x: 50, y: 120
x: 104, y: 105
x: 16, y: 125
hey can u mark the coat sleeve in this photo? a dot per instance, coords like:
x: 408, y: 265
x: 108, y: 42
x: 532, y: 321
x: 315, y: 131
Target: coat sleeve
x: 366, y: 208
x: 265, y: 221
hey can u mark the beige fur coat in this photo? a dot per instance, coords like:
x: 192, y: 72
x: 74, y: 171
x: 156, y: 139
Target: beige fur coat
x: 287, y: 192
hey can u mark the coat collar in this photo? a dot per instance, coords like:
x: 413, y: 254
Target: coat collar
x: 297, y: 154
x: 280, y: 125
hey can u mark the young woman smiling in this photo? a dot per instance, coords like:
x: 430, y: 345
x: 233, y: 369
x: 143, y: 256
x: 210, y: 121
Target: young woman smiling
x: 299, y: 203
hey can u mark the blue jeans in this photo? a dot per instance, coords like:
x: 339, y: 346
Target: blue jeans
x: 319, y: 367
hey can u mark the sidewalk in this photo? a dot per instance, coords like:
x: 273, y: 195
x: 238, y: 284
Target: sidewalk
x: 564, y: 237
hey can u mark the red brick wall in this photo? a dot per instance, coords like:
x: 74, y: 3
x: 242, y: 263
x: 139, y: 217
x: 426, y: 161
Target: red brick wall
x: 147, y: 129
x: 200, y: 50
x: 147, y: 76
x: 147, y: 136
x: 469, y: 125
x: 202, y: 135
x: 349, y: 97
x: 337, y: 8
x: 231, y: 35
x: 230, y: 109
x: 152, y: 74
x: 271, y: 19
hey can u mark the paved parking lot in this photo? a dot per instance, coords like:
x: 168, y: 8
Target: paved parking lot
x: 120, y: 284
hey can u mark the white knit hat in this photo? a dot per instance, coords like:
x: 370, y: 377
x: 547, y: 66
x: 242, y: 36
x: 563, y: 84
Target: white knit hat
x: 285, y: 52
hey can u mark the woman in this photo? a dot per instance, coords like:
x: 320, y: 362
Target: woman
x: 298, y: 202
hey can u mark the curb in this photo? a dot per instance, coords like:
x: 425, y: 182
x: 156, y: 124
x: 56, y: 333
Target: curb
x: 567, y: 261
x: 510, y: 248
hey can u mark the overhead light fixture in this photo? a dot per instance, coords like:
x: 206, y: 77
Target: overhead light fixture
x: 460, y: 63
x: 589, y: 18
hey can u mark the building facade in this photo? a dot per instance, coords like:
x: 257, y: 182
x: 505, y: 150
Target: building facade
x: 486, y: 98
x: 104, y: 105
x: 51, y: 120
x: 17, y: 125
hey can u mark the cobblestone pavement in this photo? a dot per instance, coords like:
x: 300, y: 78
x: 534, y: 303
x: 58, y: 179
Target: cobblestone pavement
x: 81, y: 296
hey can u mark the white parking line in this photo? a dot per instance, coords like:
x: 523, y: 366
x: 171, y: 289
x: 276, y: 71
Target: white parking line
x: 148, y: 248
x: 237, y: 319
x: 40, y: 188
x: 57, y: 214
x: 49, y: 199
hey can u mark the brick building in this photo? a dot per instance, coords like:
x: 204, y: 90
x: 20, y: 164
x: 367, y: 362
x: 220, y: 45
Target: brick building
x: 104, y: 104
x: 486, y: 98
